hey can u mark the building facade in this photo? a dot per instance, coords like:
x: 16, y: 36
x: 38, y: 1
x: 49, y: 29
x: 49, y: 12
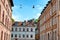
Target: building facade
x: 5, y: 19
x: 21, y: 32
x: 50, y: 21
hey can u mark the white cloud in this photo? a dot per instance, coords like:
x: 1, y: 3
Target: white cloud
x: 16, y: 14
x: 17, y: 17
x: 37, y: 15
x: 15, y: 6
x: 39, y: 7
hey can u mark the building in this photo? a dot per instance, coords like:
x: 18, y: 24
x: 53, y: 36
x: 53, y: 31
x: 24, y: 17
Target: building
x: 50, y: 21
x: 23, y: 31
x: 5, y: 19
x: 36, y: 34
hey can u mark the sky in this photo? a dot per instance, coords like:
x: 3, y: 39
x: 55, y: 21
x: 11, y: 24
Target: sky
x: 23, y: 10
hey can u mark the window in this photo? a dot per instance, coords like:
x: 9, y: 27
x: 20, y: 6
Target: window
x: 2, y: 35
x: 55, y: 36
x: 27, y: 29
x: 19, y: 35
x: 12, y: 29
x: 27, y: 36
x: 15, y: 35
x: 6, y: 20
x: 23, y: 29
x: 50, y: 22
x: 0, y: 8
x: 19, y: 29
x: 8, y: 12
x: 6, y: 7
x: 31, y: 36
x: 48, y: 36
x: 23, y: 35
x: 11, y: 35
x: 31, y: 29
x: 44, y: 18
x: 3, y: 17
x: 50, y: 12
x: 0, y: 11
x: 15, y: 29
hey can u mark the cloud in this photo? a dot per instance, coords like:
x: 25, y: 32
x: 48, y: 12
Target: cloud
x: 37, y: 15
x: 16, y: 18
x: 39, y: 7
x: 16, y: 14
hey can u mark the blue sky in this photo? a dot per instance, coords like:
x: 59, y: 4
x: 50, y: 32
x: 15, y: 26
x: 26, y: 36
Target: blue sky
x: 27, y: 12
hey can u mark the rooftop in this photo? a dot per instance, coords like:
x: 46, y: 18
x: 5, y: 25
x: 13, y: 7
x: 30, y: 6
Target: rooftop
x: 12, y: 2
x: 46, y: 6
x: 25, y: 23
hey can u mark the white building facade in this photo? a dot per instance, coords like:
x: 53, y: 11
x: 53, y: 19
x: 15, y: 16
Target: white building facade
x: 23, y: 33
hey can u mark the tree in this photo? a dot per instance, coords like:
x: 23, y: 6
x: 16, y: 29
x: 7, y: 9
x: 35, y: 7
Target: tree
x: 12, y: 20
x: 36, y: 20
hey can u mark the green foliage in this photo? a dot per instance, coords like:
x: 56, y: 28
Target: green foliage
x: 12, y: 20
x: 36, y: 20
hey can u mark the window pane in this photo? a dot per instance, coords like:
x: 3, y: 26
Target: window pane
x: 12, y: 29
x: 3, y: 17
x: 1, y: 35
x: 23, y: 36
x: 23, y: 29
x: 19, y: 29
x: 31, y: 29
x: 11, y: 35
x: 15, y: 29
x: 48, y: 36
x: 27, y: 29
x: 27, y: 36
x: 31, y: 36
x: 15, y: 35
x: 19, y: 36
